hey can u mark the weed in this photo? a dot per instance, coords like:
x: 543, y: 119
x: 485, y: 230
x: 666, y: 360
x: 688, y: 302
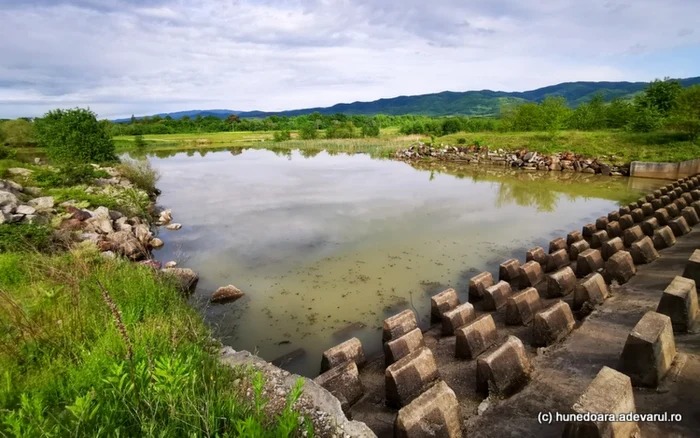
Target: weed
x: 140, y: 173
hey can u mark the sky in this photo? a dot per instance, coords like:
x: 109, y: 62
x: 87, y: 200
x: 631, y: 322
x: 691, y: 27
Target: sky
x: 123, y: 57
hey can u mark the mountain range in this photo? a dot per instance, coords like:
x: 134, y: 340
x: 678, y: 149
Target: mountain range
x: 448, y: 103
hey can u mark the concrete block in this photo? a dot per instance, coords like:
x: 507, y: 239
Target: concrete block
x: 620, y: 267
x: 434, y: 413
x: 509, y: 270
x: 521, y: 307
x: 614, y: 229
x: 561, y: 282
x: 598, y: 238
x: 672, y: 196
x: 505, y: 370
x: 478, y: 284
x: 609, y: 393
x: 552, y: 324
x: 601, y: 223
x: 666, y: 199
x: 643, y: 251
x: 637, y: 215
x: 680, y: 203
x: 649, y: 351
x: 663, y: 238
x: 410, y: 376
x: 662, y: 216
x: 572, y: 237
x: 461, y: 315
x: 632, y: 234
x: 685, y: 187
x: 649, y: 225
x: 657, y: 204
x: 688, y: 198
x: 673, y: 210
x: 398, y: 325
x: 692, y: 267
x: 577, y: 248
x: 592, y: 289
x: 678, y: 191
x: 695, y: 194
x: 663, y: 191
x: 649, y: 196
x: 399, y: 348
x: 657, y: 193
x: 557, y: 260
x: 680, y: 302
x: 531, y: 274
x: 647, y: 210
x: 679, y: 226
x: 626, y: 221
x: 691, y: 216
x: 475, y: 337
x: 641, y: 201
x: 348, y: 350
x: 588, y: 230
x: 442, y: 302
x: 344, y: 383
x: 696, y: 206
x: 623, y: 211
x: 613, y: 216
x: 557, y: 244
x: 589, y: 261
x: 611, y: 247
x: 496, y: 296
x: 537, y: 255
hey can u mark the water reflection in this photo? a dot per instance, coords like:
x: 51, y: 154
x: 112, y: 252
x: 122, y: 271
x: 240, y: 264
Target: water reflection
x: 326, y: 246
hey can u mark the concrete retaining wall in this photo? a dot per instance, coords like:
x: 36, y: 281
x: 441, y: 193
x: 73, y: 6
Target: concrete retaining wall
x: 643, y: 169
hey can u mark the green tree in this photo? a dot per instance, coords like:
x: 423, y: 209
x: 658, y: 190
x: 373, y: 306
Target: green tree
x: 661, y: 95
x: 139, y: 142
x: 555, y: 114
x: 645, y: 119
x: 308, y: 131
x: 685, y: 115
x: 344, y: 129
x: 18, y: 132
x: 280, y: 136
x: 74, y: 136
x: 370, y: 129
x: 619, y: 113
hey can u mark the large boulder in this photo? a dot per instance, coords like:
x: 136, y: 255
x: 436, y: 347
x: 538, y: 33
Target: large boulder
x: 43, y: 203
x: 124, y: 243
x: 8, y: 198
x: 100, y: 225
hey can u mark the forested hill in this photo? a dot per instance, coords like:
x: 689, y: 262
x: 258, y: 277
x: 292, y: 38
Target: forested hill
x: 467, y: 103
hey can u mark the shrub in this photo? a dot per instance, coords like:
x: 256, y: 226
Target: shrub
x: 461, y: 140
x: 139, y: 142
x: 308, y: 131
x: 344, y: 129
x: 74, y: 136
x: 140, y: 173
x: 645, y: 119
x: 7, y: 153
x: 370, y: 129
x: 280, y: 136
x: 67, y: 176
x: 24, y: 237
x: 18, y: 132
x: 685, y: 116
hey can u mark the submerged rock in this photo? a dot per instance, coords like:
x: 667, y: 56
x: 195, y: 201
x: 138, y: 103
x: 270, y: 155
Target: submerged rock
x: 156, y: 243
x: 226, y: 294
x: 171, y: 264
x: 187, y: 279
x: 166, y: 216
x: 173, y: 227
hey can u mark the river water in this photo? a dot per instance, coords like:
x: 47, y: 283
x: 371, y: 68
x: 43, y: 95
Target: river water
x: 327, y: 246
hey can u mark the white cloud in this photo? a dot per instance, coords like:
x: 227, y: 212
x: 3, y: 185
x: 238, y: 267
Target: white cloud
x: 122, y: 56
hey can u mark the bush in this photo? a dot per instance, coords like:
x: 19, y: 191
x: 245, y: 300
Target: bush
x: 140, y: 173
x: 74, y: 136
x: 139, y: 142
x: 18, y: 132
x: 344, y: 129
x: 280, y: 136
x: 645, y: 119
x: 67, y: 176
x: 24, y: 237
x: 685, y: 116
x: 308, y: 131
x: 370, y: 129
x: 7, y: 153
x: 461, y: 140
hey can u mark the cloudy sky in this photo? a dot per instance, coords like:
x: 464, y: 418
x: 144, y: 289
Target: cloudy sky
x: 123, y: 57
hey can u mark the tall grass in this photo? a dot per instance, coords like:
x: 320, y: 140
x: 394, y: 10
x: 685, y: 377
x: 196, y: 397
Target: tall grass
x: 98, y: 347
x: 140, y: 173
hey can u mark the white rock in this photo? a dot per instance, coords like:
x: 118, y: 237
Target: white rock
x: 25, y: 209
x: 170, y: 264
x: 44, y: 203
x: 101, y: 212
x: 19, y: 171
x: 173, y: 227
x: 7, y: 198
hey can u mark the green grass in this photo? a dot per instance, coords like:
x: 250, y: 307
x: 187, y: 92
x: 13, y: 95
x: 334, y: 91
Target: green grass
x: 625, y: 147
x: 98, y: 347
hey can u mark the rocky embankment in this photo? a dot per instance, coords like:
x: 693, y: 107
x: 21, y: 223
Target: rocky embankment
x: 523, y: 159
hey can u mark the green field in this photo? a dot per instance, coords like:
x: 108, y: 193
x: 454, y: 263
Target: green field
x: 614, y: 146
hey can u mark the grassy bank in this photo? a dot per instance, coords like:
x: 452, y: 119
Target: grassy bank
x: 623, y: 146
x: 100, y: 346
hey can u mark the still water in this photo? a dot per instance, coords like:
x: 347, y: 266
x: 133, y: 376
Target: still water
x: 325, y: 247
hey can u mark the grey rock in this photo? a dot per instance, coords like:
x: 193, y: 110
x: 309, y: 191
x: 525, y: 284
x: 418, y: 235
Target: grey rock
x: 43, y: 203
x: 25, y: 209
x: 19, y: 171
x: 8, y: 198
x: 10, y: 186
x: 99, y: 225
x: 173, y: 227
x: 101, y: 212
